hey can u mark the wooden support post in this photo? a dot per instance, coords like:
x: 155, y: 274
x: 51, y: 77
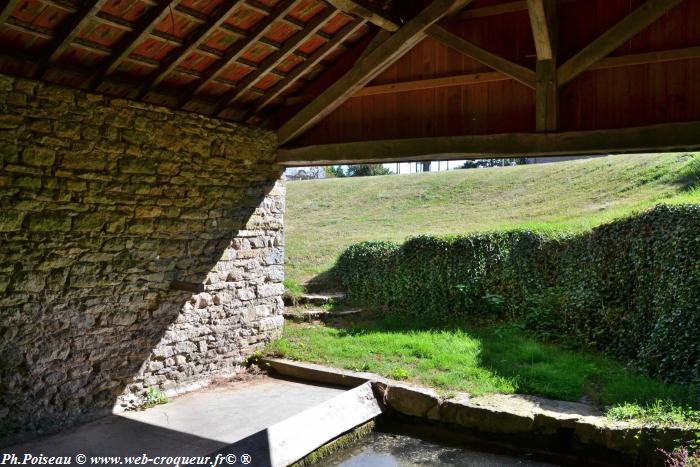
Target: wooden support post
x: 547, y: 96
x: 543, y: 18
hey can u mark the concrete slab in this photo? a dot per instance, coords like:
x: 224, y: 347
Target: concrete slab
x: 289, y: 441
x: 194, y: 424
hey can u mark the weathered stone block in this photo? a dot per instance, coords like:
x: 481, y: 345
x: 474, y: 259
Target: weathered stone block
x: 9, y: 153
x: 135, y: 165
x: 29, y: 183
x: 39, y: 156
x: 93, y: 221
x: 49, y: 222
x: 83, y: 161
x: 9, y: 121
x: 10, y: 220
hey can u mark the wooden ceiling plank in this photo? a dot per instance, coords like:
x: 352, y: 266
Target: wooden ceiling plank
x: 192, y: 43
x: 273, y: 61
x: 142, y: 30
x: 683, y: 136
x: 371, y: 15
x: 7, y: 10
x: 316, y: 57
x: 69, y: 30
x: 517, y: 72
x: 366, y: 69
x: 280, y: 10
x: 614, y: 38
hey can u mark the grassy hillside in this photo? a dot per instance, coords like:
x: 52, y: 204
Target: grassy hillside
x: 325, y: 216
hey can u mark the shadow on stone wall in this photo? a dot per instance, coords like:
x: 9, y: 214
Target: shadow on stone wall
x: 103, y: 204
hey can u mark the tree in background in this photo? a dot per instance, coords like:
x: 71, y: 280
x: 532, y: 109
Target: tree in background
x: 367, y: 170
x: 335, y: 171
x: 484, y: 163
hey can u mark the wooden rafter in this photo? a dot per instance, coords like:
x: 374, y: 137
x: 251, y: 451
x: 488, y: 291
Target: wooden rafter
x: 541, y: 28
x: 193, y: 42
x: 372, y: 15
x: 68, y: 32
x: 7, y: 10
x: 145, y: 26
x: 614, y: 38
x: 273, y: 61
x: 663, y: 137
x: 313, y: 60
x: 494, y: 10
x: 258, y: 31
x: 367, y: 68
x: 517, y: 72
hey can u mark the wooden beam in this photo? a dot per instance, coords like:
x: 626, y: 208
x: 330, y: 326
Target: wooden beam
x: 366, y: 69
x: 433, y: 83
x: 517, y: 72
x: 417, y: 85
x: 687, y: 53
x: 378, y: 39
x: 145, y: 25
x: 316, y: 57
x: 683, y: 136
x: 543, y: 20
x: 274, y: 60
x: 494, y: 10
x: 370, y: 14
x: 540, y: 23
x: 614, y: 38
x: 621, y: 61
x: 69, y: 30
x: 280, y: 10
x: 192, y: 43
x: 546, y: 96
x: 7, y: 10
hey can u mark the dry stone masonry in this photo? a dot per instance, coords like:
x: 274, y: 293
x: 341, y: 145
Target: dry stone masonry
x: 104, y: 203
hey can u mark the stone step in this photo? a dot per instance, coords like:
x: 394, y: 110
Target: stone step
x: 317, y: 299
x: 315, y: 314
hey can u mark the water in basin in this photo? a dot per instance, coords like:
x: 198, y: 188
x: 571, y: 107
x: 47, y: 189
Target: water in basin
x: 389, y: 450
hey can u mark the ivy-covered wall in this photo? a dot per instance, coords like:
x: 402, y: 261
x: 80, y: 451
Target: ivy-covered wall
x: 630, y: 288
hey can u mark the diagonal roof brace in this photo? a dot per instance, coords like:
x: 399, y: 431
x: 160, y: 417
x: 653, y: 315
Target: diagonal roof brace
x: 368, y: 67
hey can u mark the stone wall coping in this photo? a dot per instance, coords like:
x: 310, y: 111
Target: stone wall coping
x: 498, y: 414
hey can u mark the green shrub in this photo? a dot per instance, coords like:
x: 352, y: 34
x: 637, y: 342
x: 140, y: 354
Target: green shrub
x: 630, y: 288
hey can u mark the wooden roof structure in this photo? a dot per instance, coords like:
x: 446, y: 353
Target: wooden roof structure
x: 385, y: 80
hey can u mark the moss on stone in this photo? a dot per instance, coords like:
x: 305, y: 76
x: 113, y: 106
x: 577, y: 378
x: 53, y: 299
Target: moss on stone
x: 336, y: 445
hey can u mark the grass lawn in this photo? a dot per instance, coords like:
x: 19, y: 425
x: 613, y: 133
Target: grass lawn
x: 493, y: 359
x: 326, y: 216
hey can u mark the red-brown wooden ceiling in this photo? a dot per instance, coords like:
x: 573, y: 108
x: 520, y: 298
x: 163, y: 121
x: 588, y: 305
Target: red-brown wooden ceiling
x: 619, y: 97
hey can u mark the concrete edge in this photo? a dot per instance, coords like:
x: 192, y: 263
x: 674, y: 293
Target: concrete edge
x: 500, y: 414
x: 317, y: 373
x: 294, y: 438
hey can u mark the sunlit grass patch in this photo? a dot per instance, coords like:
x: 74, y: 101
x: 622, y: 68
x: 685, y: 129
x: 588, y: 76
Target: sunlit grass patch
x: 486, y: 360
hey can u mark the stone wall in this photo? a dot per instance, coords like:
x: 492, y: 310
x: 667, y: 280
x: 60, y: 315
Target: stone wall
x: 104, y: 203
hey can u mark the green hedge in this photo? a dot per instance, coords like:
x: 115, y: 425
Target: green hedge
x: 630, y: 288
